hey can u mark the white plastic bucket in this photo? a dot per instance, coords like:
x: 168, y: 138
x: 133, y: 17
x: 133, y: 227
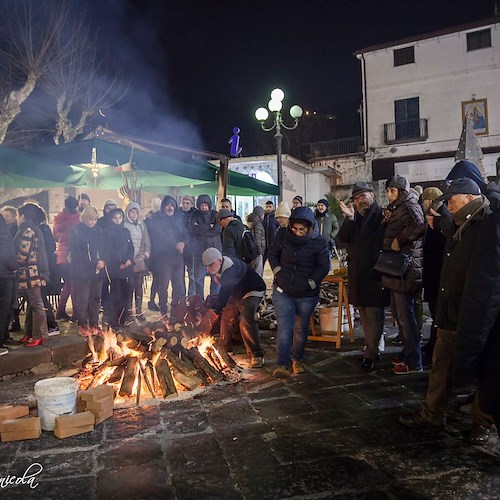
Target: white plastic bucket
x: 329, y: 316
x: 55, y: 396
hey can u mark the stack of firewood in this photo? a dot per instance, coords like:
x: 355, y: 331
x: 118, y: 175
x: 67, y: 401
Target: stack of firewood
x: 157, y: 362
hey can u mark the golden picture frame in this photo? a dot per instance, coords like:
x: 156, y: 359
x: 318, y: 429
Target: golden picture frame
x: 478, y: 110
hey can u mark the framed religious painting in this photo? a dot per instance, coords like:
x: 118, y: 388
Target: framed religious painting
x: 478, y: 111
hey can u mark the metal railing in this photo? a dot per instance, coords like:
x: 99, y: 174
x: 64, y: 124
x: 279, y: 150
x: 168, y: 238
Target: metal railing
x: 334, y: 147
x: 406, y: 131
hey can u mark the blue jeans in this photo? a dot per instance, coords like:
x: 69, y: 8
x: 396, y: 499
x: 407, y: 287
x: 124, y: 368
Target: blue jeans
x: 200, y: 272
x: 403, y: 304
x: 372, y: 320
x: 292, y: 315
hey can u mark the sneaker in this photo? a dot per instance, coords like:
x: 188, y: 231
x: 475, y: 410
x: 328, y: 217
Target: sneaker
x: 11, y: 341
x: 298, y: 367
x: 257, y: 362
x: 3, y: 351
x: 141, y: 319
x: 416, y: 421
x: 15, y: 326
x: 479, y: 434
x: 368, y: 364
x: 397, y: 339
x: 153, y: 307
x: 53, y: 331
x: 281, y: 372
x: 403, y: 369
x: 62, y: 316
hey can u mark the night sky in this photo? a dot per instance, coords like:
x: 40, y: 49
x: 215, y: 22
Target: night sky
x: 197, y: 68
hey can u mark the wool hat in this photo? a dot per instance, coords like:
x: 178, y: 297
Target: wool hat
x: 84, y: 196
x: 431, y: 193
x: 187, y: 198
x: 109, y: 201
x: 88, y: 214
x: 155, y: 205
x: 360, y: 187
x: 223, y: 213
x: 210, y: 255
x: 258, y: 211
x: 283, y: 210
x: 299, y: 199
x: 70, y: 203
x: 461, y: 186
x: 399, y: 182
x: 324, y: 201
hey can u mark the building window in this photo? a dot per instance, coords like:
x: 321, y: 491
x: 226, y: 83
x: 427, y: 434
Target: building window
x: 478, y: 40
x: 407, y: 118
x: 404, y: 56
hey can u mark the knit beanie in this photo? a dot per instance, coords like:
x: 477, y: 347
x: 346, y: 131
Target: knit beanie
x: 70, y: 203
x: 155, y: 205
x: 431, y: 193
x: 399, y: 182
x: 259, y: 211
x: 187, y: 198
x: 299, y: 199
x: 109, y: 201
x: 283, y: 210
x: 84, y: 196
x: 88, y: 214
x: 210, y: 255
x: 324, y: 201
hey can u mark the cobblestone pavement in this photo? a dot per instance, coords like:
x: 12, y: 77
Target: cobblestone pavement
x: 331, y: 432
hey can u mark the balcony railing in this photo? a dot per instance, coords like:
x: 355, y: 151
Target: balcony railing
x: 406, y: 131
x: 335, y: 147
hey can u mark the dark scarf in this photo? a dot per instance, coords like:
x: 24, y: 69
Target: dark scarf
x: 467, y: 213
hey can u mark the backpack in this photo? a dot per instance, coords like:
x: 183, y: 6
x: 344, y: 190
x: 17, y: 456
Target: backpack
x: 250, y: 250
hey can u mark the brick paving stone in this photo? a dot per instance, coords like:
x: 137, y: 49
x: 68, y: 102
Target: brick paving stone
x: 49, y: 441
x: 55, y: 463
x: 128, y: 422
x: 149, y: 481
x: 234, y: 413
x: 78, y: 487
x: 130, y: 452
x: 185, y: 422
x: 280, y: 407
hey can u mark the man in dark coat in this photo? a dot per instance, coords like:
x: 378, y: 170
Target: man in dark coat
x: 363, y: 231
x: 328, y: 224
x: 240, y: 294
x: 8, y: 269
x: 232, y: 235
x: 468, y: 208
x: 187, y: 209
x: 271, y: 225
x: 168, y: 238
x: 478, y: 332
x: 205, y: 233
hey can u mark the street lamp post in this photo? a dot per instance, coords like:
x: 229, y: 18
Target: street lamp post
x: 275, y: 105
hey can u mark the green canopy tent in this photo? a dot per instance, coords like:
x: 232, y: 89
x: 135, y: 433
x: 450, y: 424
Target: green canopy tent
x: 238, y: 185
x: 108, y: 164
x: 20, y: 169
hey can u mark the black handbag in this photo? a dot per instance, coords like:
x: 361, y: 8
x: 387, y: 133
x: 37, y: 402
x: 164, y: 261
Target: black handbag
x: 391, y: 263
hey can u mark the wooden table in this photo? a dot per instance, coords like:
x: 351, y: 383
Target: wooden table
x: 342, y: 302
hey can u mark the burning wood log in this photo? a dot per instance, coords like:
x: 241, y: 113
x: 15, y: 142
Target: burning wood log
x: 129, y: 377
x: 230, y: 362
x: 185, y: 367
x: 139, y: 387
x: 147, y: 380
x: 131, y: 343
x: 205, y: 367
x: 213, y: 359
x: 117, y: 375
x: 165, y: 379
x: 151, y: 374
x: 190, y: 382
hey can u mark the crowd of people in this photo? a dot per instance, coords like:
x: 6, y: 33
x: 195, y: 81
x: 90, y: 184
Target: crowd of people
x: 425, y: 245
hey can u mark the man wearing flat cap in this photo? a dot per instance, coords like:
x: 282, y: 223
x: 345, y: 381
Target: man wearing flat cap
x: 468, y: 209
x: 363, y: 232
x: 232, y: 234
